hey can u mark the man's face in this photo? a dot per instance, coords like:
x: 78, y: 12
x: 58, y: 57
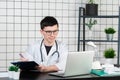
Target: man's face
x: 50, y: 33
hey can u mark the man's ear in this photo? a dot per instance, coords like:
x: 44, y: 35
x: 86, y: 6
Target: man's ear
x: 41, y: 31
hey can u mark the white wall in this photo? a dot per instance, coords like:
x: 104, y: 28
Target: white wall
x: 19, y: 23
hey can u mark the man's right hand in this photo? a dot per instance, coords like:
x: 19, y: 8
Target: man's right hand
x: 23, y: 59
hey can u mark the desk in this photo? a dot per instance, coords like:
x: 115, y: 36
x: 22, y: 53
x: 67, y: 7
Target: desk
x: 45, y: 76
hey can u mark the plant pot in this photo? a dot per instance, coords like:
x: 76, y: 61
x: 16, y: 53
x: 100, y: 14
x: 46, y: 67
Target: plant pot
x: 13, y: 74
x: 10, y: 74
x: 16, y: 75
x: 109, y: 61
x: 91, y: 9
x: 109, y: 37
x: 108, y: 65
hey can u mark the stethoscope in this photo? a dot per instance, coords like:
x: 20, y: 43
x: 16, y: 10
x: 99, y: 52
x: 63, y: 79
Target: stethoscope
x: 52, y: 53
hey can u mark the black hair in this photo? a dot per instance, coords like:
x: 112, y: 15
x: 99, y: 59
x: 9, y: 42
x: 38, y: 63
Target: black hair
x: 48, y: 21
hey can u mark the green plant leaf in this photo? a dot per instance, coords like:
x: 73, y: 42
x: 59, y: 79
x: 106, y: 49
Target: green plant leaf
x: 13, y: 68
x: 91, y: 1
x: 109, y: 30
x: 109, y: 53
x: 91, y: 23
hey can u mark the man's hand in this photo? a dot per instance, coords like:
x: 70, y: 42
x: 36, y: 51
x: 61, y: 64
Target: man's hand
x: 43, y: 68
x: 23, y: 59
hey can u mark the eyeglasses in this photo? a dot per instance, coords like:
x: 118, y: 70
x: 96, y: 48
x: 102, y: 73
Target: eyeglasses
x: 51, y: 32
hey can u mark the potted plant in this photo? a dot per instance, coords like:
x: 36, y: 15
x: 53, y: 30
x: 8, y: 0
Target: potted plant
x: 90, y: 24
x: 91, y: 8
x: 14, y: 72
x: 10, y: 71
x: 13, y: 68
x: 109, y: 33
x: 109, y: 54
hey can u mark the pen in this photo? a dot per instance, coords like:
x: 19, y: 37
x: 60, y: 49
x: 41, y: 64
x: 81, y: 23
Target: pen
x: 21, y: 55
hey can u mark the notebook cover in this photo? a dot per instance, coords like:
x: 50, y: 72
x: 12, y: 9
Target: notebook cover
x: 98, y: 72
x: 26, y: 65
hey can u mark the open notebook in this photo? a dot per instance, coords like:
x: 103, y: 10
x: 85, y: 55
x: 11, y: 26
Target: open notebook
x: 78, y: 63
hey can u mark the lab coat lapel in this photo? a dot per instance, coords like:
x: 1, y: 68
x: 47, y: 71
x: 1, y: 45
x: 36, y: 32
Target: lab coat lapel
x: 44, y: 52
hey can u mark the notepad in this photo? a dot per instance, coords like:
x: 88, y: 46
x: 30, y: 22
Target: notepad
x: 102, y: 73
x: 98, y: 72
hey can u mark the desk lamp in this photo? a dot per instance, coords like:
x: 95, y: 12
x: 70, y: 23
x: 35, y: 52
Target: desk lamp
x: 96, y: 63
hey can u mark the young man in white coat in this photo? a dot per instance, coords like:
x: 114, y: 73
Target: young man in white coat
x: 49, y: 53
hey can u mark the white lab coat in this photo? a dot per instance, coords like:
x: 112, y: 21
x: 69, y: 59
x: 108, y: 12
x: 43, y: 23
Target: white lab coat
x: 34, y: 52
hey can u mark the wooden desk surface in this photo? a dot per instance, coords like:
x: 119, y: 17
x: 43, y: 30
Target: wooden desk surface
x: 45, y: 76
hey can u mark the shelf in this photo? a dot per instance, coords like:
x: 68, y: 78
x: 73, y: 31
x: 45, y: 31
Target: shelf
x: 101, y: 16
x: 82, y: 18
x: 100, y: 40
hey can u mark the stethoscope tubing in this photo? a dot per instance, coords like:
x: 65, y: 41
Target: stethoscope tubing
x: 52, y: 53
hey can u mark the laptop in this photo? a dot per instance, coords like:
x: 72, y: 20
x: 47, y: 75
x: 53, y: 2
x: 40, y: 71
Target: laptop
x: 78, y: 63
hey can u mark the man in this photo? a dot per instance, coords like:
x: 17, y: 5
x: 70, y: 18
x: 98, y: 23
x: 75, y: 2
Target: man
x: 49, y: 53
